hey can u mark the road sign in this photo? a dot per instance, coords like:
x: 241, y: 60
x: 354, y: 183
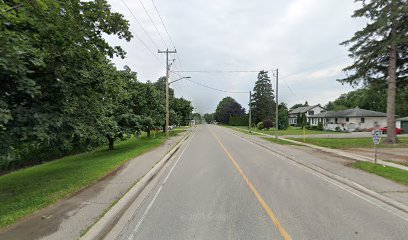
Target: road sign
x: 376, y: 139
x: 377, y: 136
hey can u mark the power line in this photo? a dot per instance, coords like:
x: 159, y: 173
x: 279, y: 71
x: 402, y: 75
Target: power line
x: 151, y: 20
x: 164, y: 25
x: 140, y: 24
x: 202, y: 85
x: 168, y: 34
x: 140, y: 39
x: 216, y: 89
x: 219, y: 71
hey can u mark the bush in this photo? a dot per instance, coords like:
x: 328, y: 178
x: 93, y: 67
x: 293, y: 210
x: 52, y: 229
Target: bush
x: 338, y: 129
x: 267, y: 123
x: 238, y: 120
x: 320, y: 126
x: 260, y: 126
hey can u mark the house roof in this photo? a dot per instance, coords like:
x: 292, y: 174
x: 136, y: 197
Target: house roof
x: 402, y: 119
x: 353, y: 112
x: 302, y: 109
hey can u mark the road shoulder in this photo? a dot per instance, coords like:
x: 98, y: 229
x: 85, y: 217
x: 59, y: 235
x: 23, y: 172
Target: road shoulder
x: 334, y: 164
x: 70, y: 218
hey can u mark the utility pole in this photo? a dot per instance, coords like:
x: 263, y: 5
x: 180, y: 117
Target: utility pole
x: 250, y: 112
x: 167, y: 87
x: 277, y: 104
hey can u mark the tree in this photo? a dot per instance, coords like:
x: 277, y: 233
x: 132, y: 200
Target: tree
x: 226, y: 108
x: 283, y: 118
x: 50, y: 70
x: 263, y: 104
x: 380, y: 51
x: 183, y: 109
x: 209, y: 117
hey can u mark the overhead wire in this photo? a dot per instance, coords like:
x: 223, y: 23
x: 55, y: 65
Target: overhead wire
x: 140, y: 24
x: 151, y: 20
x: 168, y: 34
x: 141, y: 40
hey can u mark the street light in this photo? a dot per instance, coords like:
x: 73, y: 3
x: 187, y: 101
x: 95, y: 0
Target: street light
x: 178, y: 79
x: 167, y: 100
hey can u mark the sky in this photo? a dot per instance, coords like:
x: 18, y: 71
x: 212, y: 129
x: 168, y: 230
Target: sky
x: 299, y: 37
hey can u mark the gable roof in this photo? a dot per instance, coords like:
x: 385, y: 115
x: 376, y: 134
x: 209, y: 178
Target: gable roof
x: 303, y: 109
x: 353, y: 112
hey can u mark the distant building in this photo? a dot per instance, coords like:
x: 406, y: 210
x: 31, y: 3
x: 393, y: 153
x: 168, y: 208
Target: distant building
x: 349, y: 119
x: 309, y: 111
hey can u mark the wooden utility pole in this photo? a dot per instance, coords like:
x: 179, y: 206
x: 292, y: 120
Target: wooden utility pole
x: 250, y: 112
x: 277, y: 104
x: 167, y: 88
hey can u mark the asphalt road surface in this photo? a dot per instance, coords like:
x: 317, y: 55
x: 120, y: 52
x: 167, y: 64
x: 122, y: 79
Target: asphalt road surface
x: 220, y: 186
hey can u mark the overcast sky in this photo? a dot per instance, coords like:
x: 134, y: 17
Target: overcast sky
x: 300, y: 37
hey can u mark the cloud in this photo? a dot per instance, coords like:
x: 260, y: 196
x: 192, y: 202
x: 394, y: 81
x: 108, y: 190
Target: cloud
x: 299, y: 37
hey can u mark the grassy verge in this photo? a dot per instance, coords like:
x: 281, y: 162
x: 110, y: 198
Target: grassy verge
x: 343, y: 143
x: 280, y: 141
x: 289, y: 131
x: 394, y: 174
x: 28, y: 190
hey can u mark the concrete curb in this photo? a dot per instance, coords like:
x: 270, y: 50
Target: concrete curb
x: 337, y: 178
x: 337, y: 152
x: 104, y: 224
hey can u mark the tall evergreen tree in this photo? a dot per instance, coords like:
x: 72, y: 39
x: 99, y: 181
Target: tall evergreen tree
x: 263, y: 104
x: 380, y: 50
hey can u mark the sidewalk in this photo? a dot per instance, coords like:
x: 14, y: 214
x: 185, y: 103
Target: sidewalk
x: 337, y: 152
x: 70, y: 218
x: 335, y: 164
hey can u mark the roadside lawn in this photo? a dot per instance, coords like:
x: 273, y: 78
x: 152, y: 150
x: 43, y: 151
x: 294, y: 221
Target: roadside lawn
x: 280, y: 141
x: 343, y: 143
x: 394, y: 174
x: 289, y: 131
x: 27, y: 190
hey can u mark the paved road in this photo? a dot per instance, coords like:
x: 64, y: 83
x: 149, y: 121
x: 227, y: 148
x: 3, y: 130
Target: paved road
x: 222, y: 187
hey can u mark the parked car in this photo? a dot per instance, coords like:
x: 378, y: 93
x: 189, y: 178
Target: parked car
x: 397, y: 130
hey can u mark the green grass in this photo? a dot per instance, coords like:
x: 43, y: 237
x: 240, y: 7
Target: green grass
x: 394, y: 174
x: 27, y: 190
x: 280, y: 141
x: 343, y: 143
x: 289, y: 131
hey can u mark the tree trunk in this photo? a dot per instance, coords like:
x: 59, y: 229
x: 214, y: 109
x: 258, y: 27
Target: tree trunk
x: 392, y: 82
x: 148, y: 132
x: 111, y: 143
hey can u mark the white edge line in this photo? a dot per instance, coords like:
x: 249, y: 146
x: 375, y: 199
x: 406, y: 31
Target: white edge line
x: 139, y: 223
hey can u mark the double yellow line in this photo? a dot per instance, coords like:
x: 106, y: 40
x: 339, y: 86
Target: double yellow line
x: 258, y: 196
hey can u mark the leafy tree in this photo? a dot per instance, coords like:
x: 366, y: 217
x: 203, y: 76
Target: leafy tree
x: 263, y: 104
x: 183, y: 109
x: 52, y: 83
x: 209, y: 117
x: 380, y: 50
x: 226, y: 108
x: 283, y: 118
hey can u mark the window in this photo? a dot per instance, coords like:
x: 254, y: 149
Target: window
x: 347, y: 119
x: 335, y: 120
x: 311, y: 113
x: 362, y: 120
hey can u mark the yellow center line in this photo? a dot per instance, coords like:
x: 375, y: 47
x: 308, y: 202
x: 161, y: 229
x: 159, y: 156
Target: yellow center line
x: 258, y: 196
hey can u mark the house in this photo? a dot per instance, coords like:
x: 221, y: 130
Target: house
x: 402, y: 123
x: 349, y: 119
x: 307, y: 110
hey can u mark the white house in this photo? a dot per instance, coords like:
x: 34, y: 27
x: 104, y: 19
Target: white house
x: 402, y: 123
x: 309, y: 111
x: 350, y: 119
